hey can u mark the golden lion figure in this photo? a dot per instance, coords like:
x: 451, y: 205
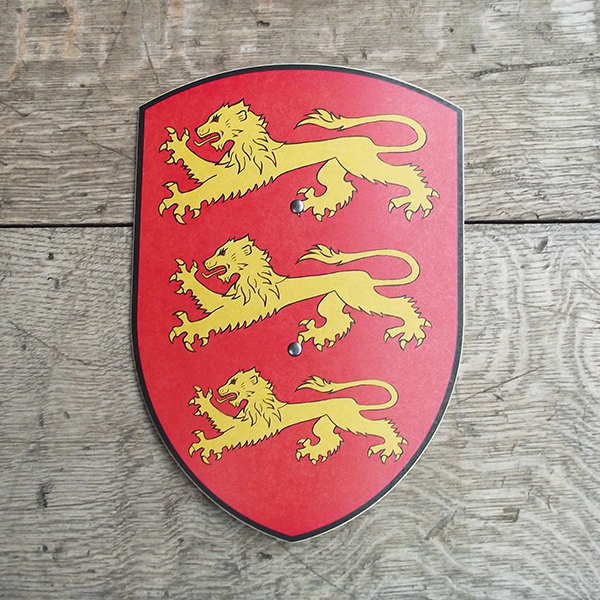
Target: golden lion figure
x: 255, y: 159
x: 264, y: 416
x: 259, y: 292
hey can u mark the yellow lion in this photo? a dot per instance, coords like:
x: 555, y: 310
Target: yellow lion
x: 259, y: 292
x: 255, y: 159
x: 264, y: 416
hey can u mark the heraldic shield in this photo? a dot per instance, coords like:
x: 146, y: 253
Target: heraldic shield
x: 297, y: 306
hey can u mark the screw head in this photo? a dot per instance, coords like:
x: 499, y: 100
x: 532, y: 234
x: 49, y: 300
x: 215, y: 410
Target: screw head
x: 295, y: 349
x: 297, y: 206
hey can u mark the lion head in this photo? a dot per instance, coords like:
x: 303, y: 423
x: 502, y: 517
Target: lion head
x: 246, y: 130
x: 252, y: 265
x: 261, y: 402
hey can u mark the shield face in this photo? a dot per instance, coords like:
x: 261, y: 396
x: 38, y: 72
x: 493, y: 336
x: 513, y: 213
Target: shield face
x: 297, y: 307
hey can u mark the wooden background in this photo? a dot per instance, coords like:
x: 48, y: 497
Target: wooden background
x: 504, y: 504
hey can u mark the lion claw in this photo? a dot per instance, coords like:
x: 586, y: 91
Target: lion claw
x: 188, y: 346
x: 170, y: 130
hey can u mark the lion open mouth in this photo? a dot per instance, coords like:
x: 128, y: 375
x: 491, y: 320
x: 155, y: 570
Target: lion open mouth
x: 233, y: 399
x: 220, y: 270
x: 230, y: 397
x: 211, y: 138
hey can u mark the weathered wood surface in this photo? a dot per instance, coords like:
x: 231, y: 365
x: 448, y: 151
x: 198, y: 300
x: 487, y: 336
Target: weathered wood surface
x: 505, y: 503
x: 73, y: 73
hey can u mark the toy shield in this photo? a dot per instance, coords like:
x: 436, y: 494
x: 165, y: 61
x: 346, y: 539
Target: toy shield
x: 297, y: 307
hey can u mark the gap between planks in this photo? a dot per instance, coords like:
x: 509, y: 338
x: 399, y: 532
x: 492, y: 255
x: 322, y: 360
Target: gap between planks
x: 127, y: 224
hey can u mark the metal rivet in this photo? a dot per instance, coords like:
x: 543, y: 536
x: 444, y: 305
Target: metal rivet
x: 297, y: 206
x: 295, y: 349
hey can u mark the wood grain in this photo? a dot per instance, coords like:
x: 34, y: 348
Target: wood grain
x: 73, y: 73
x: 504, y: 504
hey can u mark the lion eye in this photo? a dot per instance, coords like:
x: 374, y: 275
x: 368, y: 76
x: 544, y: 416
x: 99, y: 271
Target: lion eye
x: 233, y: 381
x: 215, y: 119
x: 222, y: 252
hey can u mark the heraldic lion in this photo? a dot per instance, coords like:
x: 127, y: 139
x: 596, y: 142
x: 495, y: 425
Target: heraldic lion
x: 264, y: 416
x: 259, y: 292
x: 255, y: 159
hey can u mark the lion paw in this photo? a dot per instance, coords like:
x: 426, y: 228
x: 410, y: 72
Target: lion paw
x: 173, y: 144
x: 186, y: 329
x: 407, y: 333
x: 201, y: 400
x: 176, y: 199
x: 200, y: 444
x: 388, y: 449
x: 311, y: 451
x: 186, y: 277
x: 319, y: 205
x: 415, y: 201
x: 322, y: 337
x: 203, y: 446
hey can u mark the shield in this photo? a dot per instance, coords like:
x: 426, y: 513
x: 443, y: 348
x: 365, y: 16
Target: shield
x: 297, y: 306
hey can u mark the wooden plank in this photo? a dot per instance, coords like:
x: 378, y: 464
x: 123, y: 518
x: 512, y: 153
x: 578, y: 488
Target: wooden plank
x: 73, y: 74
x: 504, y: 504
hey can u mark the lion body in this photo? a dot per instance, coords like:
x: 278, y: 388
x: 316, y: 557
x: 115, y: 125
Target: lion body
x: 255, y: 159
x: 259, y: 292
x: 264, y: 416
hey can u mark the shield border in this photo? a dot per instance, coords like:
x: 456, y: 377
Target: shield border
x: 460, y: 286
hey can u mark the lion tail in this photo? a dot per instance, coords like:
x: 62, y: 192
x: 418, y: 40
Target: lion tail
x: 329, y: 256
x: 323, y: 118
x: 328, y: 387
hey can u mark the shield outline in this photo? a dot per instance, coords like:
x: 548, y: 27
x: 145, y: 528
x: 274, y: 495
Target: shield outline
x: 460, y: 285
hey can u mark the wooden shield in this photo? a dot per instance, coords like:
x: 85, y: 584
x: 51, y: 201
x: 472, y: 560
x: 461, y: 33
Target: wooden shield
x: 297, y: 306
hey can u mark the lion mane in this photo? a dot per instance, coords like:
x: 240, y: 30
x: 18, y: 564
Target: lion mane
x: 262, y: 416
x: 256, y: 276
x: 252, y: 158
x: 252, y: 144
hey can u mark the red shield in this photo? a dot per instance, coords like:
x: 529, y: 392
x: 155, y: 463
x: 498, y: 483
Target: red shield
x: 297, y: 308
